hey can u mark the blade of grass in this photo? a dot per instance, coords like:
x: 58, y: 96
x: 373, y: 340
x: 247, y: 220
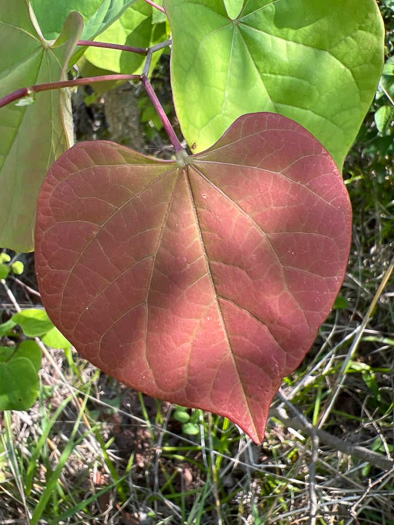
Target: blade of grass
x: 52, y: 481
x: 82, y: 504
x: 8, y: 445
x: 36, y: 453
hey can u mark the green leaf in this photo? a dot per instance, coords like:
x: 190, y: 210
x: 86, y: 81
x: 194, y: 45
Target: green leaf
x: 367, y: 375
x: 316, y: 62
x: 387, y: 82
x: 18, y: 384
x: 341, y: 303
x: 388, y: 68
x: 134, y: 28
x: 97, y: 15
x: 4, y: 258
x: 181, y: 415
x: 7, y: 327
x: 33, y: 136
x: 149, y: 113
x: 233, y: 8
x: 33, y: 321
x: 27, y: 349
x: 54, y: 339
x: 383, y: 118
x: 158, y: 16
x: 18, y: 267
x: 4, y: 271
x: 32, y: 351
x: 190, y: 429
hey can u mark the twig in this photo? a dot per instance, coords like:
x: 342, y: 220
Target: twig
x: 313, y: 507
x: 162, y: 45
x: 27, y: 91
x: 179, y: 149
x: 371, y: 485
x: 360, y: 453
x: 153, y: 4
x: 11, y: 296
x: 310, y: 378
x: 120, y: 47
x: 342, y: 375
x: 27, y: 287
x: 152, y: 50
x: 386, y: 93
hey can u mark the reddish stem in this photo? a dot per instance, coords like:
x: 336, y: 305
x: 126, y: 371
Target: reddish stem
x: 107, y: 45
x: 20, y: 93
x: 162, y: 114
x: 16, y: 95
x: 156, y: 6
x: 23, y: 92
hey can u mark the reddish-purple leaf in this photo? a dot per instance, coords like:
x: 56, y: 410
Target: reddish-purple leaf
x: 203, y: 283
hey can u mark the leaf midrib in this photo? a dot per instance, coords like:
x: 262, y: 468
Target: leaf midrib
x: 216, y: 298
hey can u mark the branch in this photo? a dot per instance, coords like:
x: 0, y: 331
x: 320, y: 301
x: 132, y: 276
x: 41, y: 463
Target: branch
x: 361, y: 453
x: 149, y: 56
x: 24, y: 92
x: 155, y: 5
x: 163, y: 117
x: 120, y: 47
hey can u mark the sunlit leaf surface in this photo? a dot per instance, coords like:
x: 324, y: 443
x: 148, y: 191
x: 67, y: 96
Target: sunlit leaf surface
x: 202, y: 281
x: 314, y: 61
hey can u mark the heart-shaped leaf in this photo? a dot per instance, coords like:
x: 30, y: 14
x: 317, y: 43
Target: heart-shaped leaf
x: 31, y: 136
x: 33, y: 321
x: 55, y: 339
x: 314, y: 61
x: 7, y: 328
x: 27, y: 349
x: 97, y: 15
x: 19, y: 380
x: 201, y: 281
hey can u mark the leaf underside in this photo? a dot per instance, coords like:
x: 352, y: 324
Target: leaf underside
x: 97, y: 15
x: 202, y: 284
x: 33, y: 136
x: 316, y: 62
